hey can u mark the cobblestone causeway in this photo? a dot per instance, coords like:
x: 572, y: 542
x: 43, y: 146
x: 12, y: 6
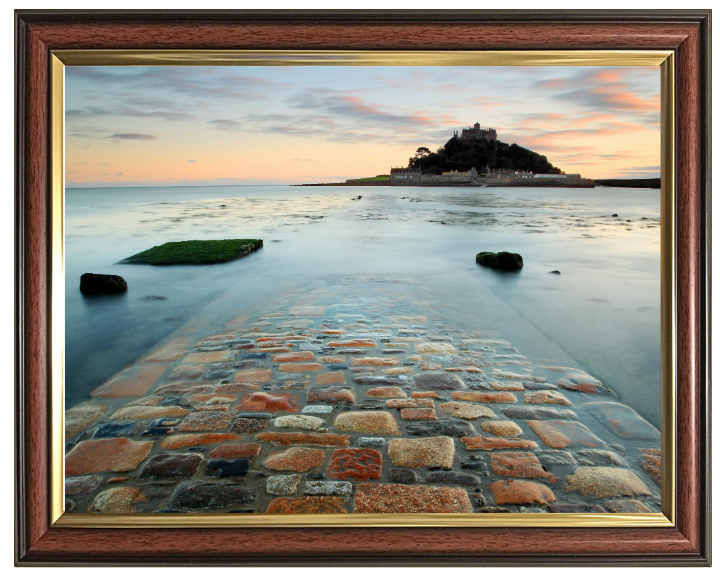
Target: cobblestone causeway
x: 349, y: 398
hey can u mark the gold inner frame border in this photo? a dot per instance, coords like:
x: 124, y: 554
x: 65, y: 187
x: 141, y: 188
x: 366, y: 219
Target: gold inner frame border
x: 662, y: 58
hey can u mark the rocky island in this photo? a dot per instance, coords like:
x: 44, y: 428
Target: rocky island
x: 475, y: 157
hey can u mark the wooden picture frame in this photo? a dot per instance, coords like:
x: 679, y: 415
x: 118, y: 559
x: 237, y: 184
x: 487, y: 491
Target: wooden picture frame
x: 39, y: 34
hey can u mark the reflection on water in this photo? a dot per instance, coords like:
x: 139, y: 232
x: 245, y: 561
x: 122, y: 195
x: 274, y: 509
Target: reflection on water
x: 601, y: 312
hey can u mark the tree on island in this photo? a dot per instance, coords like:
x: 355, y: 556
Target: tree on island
x: 462, y: 155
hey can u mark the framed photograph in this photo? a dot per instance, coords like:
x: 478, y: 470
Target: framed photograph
x: 436, y: 283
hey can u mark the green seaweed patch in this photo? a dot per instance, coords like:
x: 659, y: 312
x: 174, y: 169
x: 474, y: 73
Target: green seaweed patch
x: 195, y: 252
x: 500, y: 260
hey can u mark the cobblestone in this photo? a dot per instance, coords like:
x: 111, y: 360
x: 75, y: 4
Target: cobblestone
x: 308, y: 505
x: 422, y: 452
x: 355, y: 463
x: 356, y: 405
x: 116, y: 500
x: 521, y: 492
x: 105, y: 455
x: 402, y: 498
x: 602, y: 482
x: 367, y: 422
x: 282, y: 485
x: 295, y: 459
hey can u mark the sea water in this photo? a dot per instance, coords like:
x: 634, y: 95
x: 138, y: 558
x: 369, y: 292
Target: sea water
x: 601, y: 313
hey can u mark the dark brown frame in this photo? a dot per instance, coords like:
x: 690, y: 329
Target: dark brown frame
x: 686, y: 32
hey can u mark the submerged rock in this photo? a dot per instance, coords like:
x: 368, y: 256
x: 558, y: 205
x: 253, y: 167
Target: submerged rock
x: 195, y: 252
x: 209, y: 495
x: 600, y: 482
x: 500, y: 260
x: 93, y: 284
x: 451, y: 477
x: 623, y: 421
x: 454, y: 428
x: 438, y: 381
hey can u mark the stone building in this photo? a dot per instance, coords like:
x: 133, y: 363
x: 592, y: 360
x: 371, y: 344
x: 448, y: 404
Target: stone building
x: 477, y: 133
x: 461, y: 176
x: 407, y: 175
x: 501, y: 173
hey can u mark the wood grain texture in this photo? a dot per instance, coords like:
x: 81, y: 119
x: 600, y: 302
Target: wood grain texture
x: 691, y: 456
x: 288, y: 36
x: 36, y: 277
x: 687, y: 33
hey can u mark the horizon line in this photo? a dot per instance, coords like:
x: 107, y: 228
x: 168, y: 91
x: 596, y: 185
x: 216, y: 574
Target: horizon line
x: 298, y: 184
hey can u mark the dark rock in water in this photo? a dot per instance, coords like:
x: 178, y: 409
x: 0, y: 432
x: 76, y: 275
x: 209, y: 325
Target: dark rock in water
x: 171, y: 466
x: 554, y: 272
x: 539, y: 386
x: 399, y: 476
x: 576, y: 508
x: 223, y: 468
x: 81, y: 485
x: 539, y: 413
x: 454, y: 428
x: 92, y: 284
x: 257, y: 415
x: 338, y: 367
x: 114, y: 430
x: 500, y: 260
x: 438, y: 381
x: 165, y: 422
x: 478, y: 466
x: 449, y: 477
x: 151, y: 298
x: 254, y: 356
x: 209, y: 495
x: 157, y: 431
x: 614, y: 215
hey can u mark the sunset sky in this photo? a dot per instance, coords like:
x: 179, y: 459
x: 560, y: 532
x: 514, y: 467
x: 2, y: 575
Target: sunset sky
x: 160, y: 126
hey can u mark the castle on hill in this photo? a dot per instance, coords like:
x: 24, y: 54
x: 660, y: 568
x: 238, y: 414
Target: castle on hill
x: 477, y: 134
x: 413, y: 175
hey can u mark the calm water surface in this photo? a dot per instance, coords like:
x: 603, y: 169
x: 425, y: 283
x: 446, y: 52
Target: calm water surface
x: 601, y: 313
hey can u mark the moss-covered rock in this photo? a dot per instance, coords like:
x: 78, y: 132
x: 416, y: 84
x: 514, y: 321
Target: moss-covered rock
x: 500, y: 260
x: 195, y: 252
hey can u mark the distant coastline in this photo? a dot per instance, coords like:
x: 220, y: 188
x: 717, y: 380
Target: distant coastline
x: 480, y: 183
x: 630, y: 182
x: 653, y: 183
